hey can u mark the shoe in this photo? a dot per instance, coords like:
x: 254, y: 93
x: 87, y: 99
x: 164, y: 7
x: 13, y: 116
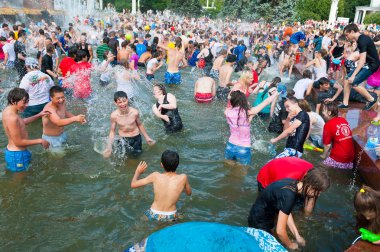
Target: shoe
x: 369, y: 105
x: 342, y: 106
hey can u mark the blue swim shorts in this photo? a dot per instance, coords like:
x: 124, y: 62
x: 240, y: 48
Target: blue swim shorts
x: 17, y: 161
x: 173, y: 78
x: 240, y: 154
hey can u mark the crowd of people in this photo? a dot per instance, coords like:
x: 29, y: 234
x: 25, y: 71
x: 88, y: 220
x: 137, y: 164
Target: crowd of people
x: 336, y: 64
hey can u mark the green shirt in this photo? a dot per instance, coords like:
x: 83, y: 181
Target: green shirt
x: 100, y: 51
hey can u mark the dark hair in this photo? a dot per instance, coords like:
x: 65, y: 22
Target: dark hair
x: 162, y: 88
x: 41, y: 32
x: 274, y: 83
x: 304, y: 105
x: 170, y: 160
x: 350, y: 27
x: 16, y: 95
x: 238, y: 99
x: 156, y: 54
x: 155, y: 40
x: 3, y: 38
x: 178, y: 42
x: 4, y: 25
x: 72, y: 51
x: 21, y: 33
x: 317, y: 180
x: 119, y: 94
x: 125, y: 43
x: 54, y: 90
x: 323, y: 52
x: 292, y: 99
x: 307, y: 74
x: 323, y: 80
x: 106, y: 40
x: 367, y: 200
x: 148, y: 36
x: 332, y: 107
x: 50, y: 48
x: 231, y: 58
x: 81, y: 55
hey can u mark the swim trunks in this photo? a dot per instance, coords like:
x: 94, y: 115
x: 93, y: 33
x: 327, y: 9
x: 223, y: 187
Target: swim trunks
x: 140, y: 64
x: 173, y: 78
x: 335, y: 164
x: 17, y: 161
x: 289, y: 152
x: 56, y: 141
x: 240, y: 154
x: 203, y: 97
x: 214, y: 74
x: 128, y: 145
x: 153, y: 214
x: 222, y: 93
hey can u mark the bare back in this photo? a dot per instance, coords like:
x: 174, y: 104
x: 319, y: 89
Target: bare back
x: 175, y: 56
x: 225, y: 75
x: 204, y: 85
x: 218, y: 63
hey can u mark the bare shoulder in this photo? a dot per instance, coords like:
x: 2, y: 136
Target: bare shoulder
x: 113, y: 115
x: 134, y: 111
x: 9, y: 117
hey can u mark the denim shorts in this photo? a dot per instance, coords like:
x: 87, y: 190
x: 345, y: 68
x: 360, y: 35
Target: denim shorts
x: 240, y: 154
x: 363, y: 74
x: 17, y: 161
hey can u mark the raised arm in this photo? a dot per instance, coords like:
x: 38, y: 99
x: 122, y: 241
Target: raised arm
x: 262, y: 105
x: 55, y: 119
x: 136, y: 182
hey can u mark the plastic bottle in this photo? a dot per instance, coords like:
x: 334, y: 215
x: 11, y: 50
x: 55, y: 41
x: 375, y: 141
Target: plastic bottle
x: 369, y: 236
x: 372, y: 136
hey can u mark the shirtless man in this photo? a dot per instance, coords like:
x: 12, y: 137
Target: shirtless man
x: 130, y: 126
x: 123, y: 53
x: 145, y: 57
x: 176, y: 55
x: 17, y: 156
x: 225, y: 77
x: 167, y: 187
x: 205, y: 89
x: 287, y: 62
x: 53, y: 125
x: 40, y: 45
x: 214, y: 73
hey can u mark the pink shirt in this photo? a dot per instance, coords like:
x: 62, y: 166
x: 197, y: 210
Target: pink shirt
x: 135, y: 60
x: 240, y: 127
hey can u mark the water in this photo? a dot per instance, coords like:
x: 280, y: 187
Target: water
x: 82, y: 202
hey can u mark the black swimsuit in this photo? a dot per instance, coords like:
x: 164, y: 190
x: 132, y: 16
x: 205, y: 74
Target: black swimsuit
x: 175, y: 122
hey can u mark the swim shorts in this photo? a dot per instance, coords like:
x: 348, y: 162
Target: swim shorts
x: 173, y: 78
x: 56, y: 141
x: 203, y: 97
x: 240, y: 154
x: 128, y: 145
x: 289, y: 152
x: 17, y: 161
x: 161, y: 216
x: 222, y: 93
x: 214, y: 74
x: 335, y: 164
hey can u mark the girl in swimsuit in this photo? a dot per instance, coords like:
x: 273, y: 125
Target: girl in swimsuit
x: 242, y: 84
x: 166, y: 109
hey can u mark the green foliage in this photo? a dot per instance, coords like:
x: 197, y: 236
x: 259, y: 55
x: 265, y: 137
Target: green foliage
x: 191, y: 8
x: 349, y: 7
x: 373, y: 18
x: 122, y: 4
x: 155, y: 5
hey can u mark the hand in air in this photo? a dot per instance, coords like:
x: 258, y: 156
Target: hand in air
x: 81, y: 119
x: 45, y: 143
x: 141, y: 167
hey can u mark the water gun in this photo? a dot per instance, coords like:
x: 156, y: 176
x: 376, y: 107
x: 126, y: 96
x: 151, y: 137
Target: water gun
x: 312, y: 148
x: 369, y: 236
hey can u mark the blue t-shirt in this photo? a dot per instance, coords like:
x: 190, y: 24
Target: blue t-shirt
x: 297, y: 37
x: 239, y: 51
x: 140, y: 49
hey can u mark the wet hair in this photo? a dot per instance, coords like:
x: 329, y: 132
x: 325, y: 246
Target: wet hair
x: 81, y: 55
x: 238, y: 99
x: 231, y: 58
x: 331, y: 107
x: 72, y: 51
x: 125, y: 43
x: 274, y: 83
x: 162, y: 88
x: 22, y: 33
x: 170, y: 160
x: 16, y: 95
x: 293, y: 100
x: 41, y: 32
x: 4, y: 25
x: 304, y: 105
x: 367, y: 200
x: 350, y: 27
x: 317, y: 180
x: 119, y: 94
x: 106, y: 40
x: 323, y: 80
x: 54, y: 90
x: 307, y: 74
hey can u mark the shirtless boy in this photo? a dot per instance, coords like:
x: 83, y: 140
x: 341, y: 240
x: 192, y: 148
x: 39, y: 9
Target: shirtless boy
x: 53, y: 125
x: 130, y: 127
x: 205, y: 89
x: 214, y: 73
x: 225, y: 77
x: 40, y: 44
x: 167, y: 187
x: 17, y: 156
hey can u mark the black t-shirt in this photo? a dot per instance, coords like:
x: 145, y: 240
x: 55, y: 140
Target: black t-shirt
x: 278, y: 196
x: 19, y: 47
x: 338, y: 51
x: 47, y: 64
x: 279, y: 114
x: 298, y: 137
x: 113, y: 44
x: 365, y: 44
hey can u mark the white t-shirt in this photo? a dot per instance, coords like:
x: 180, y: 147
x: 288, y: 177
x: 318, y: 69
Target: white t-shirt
x: 300, y: 87
x: 326, y: 41
x: 37, y: 89
x: 106, y: 75
x: 151, y: 63
x: 317, y: 127
x: 9, y: 48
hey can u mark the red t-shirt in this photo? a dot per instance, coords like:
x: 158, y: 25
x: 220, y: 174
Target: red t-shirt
x: 65, y: 65
x: 80, y: 73
x: 337, y: 132
x: 2, y: 55
x: 281, y: 168
x: 255, y: 78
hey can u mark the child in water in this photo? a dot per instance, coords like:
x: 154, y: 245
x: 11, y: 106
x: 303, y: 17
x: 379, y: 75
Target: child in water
x: 167, y: 187
x: 367, y: 207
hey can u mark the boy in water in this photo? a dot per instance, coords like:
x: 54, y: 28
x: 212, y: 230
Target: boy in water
x: 130, y: 126
x: 167, y: 187
x: 17, y: 156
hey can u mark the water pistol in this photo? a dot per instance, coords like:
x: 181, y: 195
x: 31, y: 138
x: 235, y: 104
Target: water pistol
x: 369, y: 236
x: 312, y: 148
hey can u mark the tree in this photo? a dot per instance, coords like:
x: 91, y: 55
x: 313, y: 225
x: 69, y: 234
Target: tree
x: 191, y: 8
x: 373, y: 18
